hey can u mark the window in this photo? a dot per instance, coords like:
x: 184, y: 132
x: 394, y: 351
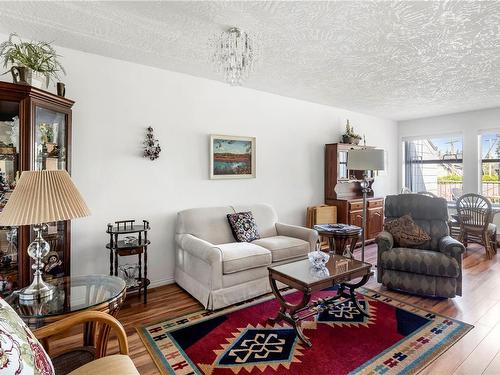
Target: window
x: 490, y: 166
x: 434, y: 165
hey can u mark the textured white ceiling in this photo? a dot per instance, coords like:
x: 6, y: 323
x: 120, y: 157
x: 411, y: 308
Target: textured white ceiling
x: 395, y: 59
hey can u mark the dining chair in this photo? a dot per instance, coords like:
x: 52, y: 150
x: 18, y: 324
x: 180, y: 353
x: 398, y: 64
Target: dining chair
x: 474, y: 214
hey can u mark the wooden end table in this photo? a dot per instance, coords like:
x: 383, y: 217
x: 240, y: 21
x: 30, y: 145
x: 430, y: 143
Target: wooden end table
x: 339, y: 236
x: 301, y: 275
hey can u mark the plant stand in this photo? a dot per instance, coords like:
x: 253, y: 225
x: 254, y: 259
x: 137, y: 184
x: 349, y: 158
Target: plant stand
x: 118, y: 246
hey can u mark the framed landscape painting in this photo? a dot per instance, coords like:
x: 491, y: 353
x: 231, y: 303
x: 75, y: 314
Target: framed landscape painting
x: 232, y: 157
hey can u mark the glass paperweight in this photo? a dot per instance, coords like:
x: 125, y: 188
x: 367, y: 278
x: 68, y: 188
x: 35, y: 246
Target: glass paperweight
x: 318, y: 258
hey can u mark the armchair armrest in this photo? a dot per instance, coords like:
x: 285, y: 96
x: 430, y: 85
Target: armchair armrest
x: 199, y: 248
x: 306, y: 234
x: 65, y: 324
x: 385, y: 241
x: 451, y: 247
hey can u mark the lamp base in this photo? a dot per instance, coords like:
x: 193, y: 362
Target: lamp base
x: 38, y: 291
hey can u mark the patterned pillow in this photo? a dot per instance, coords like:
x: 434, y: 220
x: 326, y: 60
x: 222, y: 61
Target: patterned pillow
x: 243, y: 226
x: 20, y: 351
x: 405, y: 232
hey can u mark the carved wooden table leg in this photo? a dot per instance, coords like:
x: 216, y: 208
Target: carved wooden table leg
x: 352, y: 293
x: 289, y: 312
x: 354, y: 241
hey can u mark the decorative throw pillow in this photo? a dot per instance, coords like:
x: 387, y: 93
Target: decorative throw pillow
x: 243, y: 226
x: 405, y: 232
x: 20, y: 351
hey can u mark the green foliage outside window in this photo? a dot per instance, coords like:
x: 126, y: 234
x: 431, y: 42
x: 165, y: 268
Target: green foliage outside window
x: 457, y: 178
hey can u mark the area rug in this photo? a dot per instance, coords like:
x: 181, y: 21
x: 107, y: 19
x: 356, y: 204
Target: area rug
x: 397, y: 338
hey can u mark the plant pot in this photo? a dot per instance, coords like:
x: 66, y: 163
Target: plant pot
x: 26, y: 76
x: 350, y: 140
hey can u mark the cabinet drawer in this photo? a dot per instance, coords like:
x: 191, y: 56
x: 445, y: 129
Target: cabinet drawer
x: 355, y: 206
x: 375, y: 203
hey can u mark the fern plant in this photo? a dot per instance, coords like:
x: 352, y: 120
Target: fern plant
x: 38, y: 56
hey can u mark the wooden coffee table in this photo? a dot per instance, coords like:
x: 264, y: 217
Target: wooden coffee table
x: 301, y: 275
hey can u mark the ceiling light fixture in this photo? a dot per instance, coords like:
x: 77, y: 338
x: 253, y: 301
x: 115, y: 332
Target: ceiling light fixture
x: 234, y: 54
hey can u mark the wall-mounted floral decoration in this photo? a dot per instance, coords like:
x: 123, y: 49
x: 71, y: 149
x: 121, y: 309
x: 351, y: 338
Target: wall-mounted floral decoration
x: 152, y: 147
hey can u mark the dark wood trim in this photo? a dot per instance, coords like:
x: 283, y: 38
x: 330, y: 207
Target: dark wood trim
x: 29, y: 98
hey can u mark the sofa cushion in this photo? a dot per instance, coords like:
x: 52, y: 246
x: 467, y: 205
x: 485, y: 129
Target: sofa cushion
x: 117, y: 364
x: 22, y: 354
x: 239, y: 256
x: 405, y: 232
x: 282, y: 247
x: 426, y: 262
x: 208, y: 223
x: 243, y: 226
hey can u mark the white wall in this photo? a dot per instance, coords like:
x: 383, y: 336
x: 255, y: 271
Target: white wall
x: 117, y: 100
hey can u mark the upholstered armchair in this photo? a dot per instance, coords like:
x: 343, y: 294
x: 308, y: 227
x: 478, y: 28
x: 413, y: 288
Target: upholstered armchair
x: 431, y: 269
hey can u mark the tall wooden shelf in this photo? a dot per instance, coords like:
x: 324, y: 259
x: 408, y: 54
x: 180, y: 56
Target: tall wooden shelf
x: 343, y: 190
x: 26, y: 113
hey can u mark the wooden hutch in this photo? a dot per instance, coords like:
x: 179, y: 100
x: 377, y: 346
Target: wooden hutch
x: 343, y: 190
x: 35, y: 134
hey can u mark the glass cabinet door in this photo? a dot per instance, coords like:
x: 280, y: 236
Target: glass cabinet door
x: 50, y: 153
x: 50, y: 139
x: 9, y: 173
x: 343, y: 173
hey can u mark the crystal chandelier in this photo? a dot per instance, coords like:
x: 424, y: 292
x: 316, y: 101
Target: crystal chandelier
x: 235, y: 53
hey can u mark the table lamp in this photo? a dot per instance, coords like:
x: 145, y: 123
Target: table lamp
x: 365, y: 159
x: 42, y: 197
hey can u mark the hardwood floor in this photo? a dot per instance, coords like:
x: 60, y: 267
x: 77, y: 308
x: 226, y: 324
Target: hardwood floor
x: 478, y: 352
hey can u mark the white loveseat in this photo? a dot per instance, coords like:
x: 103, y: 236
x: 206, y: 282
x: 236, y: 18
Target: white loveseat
x: 217, y: 270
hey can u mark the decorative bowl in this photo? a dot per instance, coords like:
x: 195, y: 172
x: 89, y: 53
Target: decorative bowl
x: 318, y: 259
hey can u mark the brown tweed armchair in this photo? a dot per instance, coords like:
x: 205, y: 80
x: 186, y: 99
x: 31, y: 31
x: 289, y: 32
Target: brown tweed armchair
x: 431, y: 269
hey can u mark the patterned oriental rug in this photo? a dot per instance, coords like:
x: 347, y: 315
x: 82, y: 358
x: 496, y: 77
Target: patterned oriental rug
x: 397, y: 338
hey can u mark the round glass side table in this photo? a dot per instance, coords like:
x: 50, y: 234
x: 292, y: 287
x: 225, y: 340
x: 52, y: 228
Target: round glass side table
x: 73, y: 294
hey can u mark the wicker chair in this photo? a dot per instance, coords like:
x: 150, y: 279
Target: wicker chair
x: 67, y: 363
x: 474, y: 213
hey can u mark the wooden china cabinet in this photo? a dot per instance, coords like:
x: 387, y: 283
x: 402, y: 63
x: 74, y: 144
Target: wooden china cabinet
x: 35, y: 134
x: 343, y: 190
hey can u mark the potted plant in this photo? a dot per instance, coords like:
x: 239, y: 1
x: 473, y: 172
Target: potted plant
x: 350, y: 136
x: 33, y: 63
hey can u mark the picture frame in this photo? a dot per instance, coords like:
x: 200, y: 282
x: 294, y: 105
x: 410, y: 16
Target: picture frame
x: 232, y: 157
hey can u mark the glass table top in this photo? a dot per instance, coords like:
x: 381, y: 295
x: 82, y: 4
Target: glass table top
x: 304, y: 272
x: 71, y: 294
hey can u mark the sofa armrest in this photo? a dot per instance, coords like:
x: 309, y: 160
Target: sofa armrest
x: 306, y: 234
x: 384, y: 241
x: 451, y: 247
x: 199, y: 248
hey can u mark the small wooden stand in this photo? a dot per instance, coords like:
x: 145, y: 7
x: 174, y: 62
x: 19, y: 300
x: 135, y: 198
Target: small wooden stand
x: 118, y: 247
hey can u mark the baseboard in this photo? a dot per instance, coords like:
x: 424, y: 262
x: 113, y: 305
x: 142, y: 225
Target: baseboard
x: 161, y: 282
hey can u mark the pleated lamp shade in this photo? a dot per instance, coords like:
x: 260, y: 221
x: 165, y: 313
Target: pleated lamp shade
x: 43, y: 197
x: 366, y: 160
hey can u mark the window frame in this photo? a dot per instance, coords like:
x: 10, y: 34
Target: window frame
x: 430, y: 136
x: 482, y: 161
